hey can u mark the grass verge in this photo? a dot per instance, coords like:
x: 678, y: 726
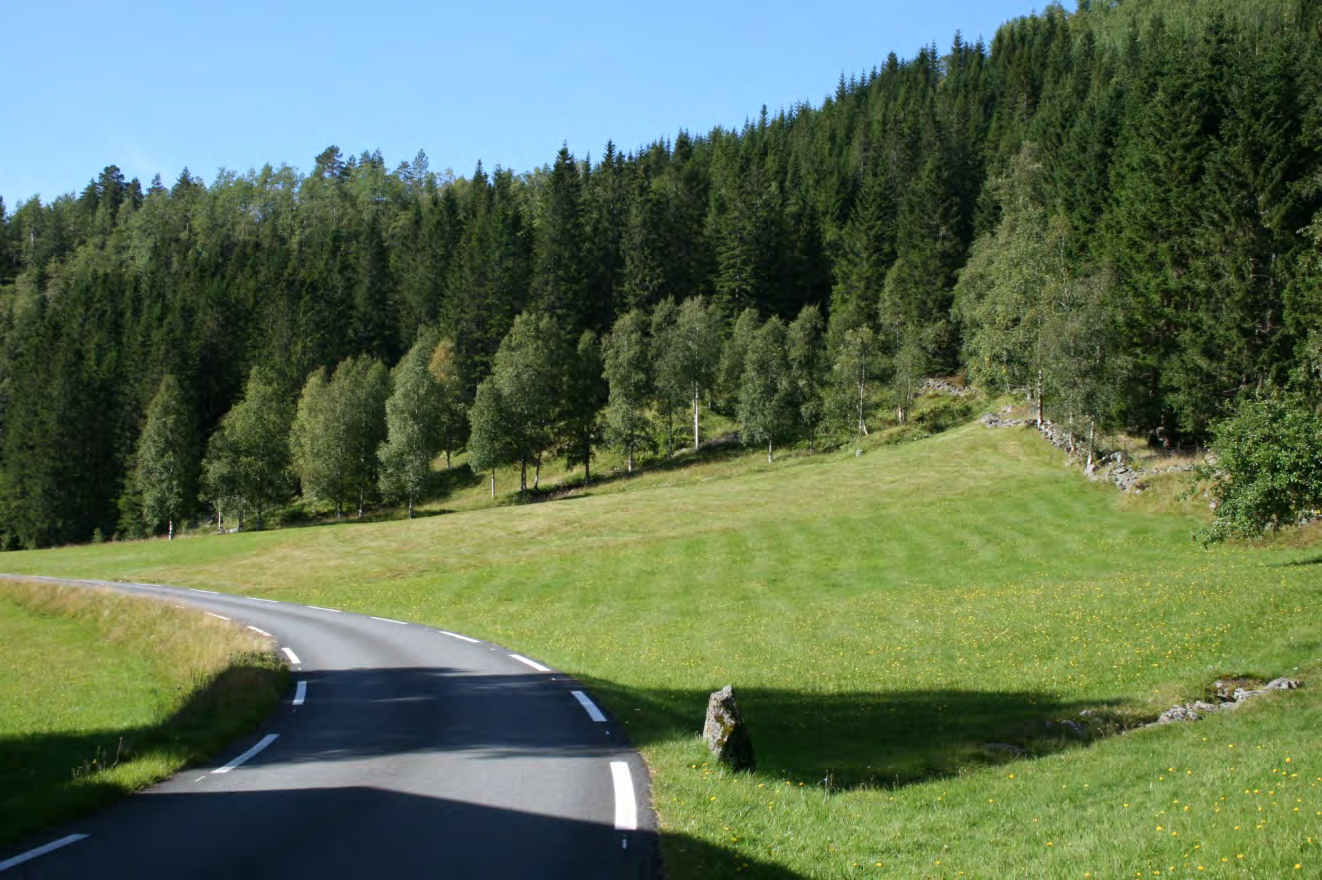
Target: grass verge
x: 884, y: 618
x: 102, y: 694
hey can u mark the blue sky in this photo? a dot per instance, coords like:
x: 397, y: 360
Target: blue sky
x: 156, y: 86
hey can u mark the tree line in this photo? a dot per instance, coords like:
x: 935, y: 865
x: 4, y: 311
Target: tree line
x: 360, y: 434
x: 1114, y: 210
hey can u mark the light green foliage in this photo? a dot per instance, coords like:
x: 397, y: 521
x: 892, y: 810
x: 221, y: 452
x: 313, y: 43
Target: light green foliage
x: 670, y: 391
x: 767, y: 405
x: 413, y: 426
x: 805, y: 351
x: 247, y: 464
x: 908, y: 369
x: 730, y: 369
x: 492, y: 432
x: 1268, y: 469
x: 452, y: 414
x: 168, y: 464
x: 529, y: 369
x: 627, y: 360
x: 339, y: 426
x: 853, y: 370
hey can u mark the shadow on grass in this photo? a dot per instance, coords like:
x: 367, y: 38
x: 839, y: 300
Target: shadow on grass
x: 854, y: 740
x: 47, y: 777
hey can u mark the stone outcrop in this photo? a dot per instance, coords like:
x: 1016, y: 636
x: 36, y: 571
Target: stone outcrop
x: 725, y: 732
x: 1230, y: 694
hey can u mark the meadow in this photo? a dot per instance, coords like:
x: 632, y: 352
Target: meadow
x: 102, y: 694
x: 890, y: 621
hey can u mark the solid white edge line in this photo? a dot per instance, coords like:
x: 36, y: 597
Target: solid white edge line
x: 588, y: 706
x: 533, y: 663
x: 196, y: 590
x: 293, y: 658
x: 248, y: 755
x: 217, y: 616
x: 262, y: 631
x: 41, y: 851
x: 446, y: 632
x: 626, y: 809
x: 388, y: 620
x: 300, y: 693
x: 331, y: 610
x: 255, y: 599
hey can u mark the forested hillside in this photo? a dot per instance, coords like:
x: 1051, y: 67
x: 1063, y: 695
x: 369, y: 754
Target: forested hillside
x: 1117, y: 210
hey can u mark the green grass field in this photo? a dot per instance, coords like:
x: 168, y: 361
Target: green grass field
x: 883, y: 618
x: 102, y: 694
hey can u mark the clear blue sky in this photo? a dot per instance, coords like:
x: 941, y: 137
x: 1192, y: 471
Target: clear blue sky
x: 156, y: 86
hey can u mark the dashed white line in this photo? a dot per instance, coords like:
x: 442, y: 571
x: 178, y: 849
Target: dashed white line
x: 272, y: 601
x: 533, y: 663
x: 261, y: 631
x: 196, y: 590
x: 293, y: 658
x: 626, y: 809
x: 388, y: 620
x: 248, y: 755
x: 300, y: 693
x: 588, y: 706
x: 457, y: 636
x: 217, y: 616
x: 41, y: 851
x: 331, y: 610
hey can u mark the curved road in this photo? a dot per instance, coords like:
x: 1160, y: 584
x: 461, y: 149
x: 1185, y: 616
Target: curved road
x: 403, y: 751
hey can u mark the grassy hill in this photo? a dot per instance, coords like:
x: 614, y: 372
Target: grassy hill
x: 884, y: 618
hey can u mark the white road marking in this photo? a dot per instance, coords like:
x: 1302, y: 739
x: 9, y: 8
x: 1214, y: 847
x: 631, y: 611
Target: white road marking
x: 199, y: 779
x: 293, y: 658
x: 388, y: 620
x: 300, y: 693
x: 533, y: 663
x: 626, y: 809
x: 457, y: 636
x: 272, y: 601
x: 331, y: 610
x: 588, y: 706
x: 196, y: 590
x: 217, y: 616
x: 248, y: 755
x: 262, y: 631
x: 40, y: 851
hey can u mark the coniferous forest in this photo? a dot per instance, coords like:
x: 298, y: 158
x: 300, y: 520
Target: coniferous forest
x: 1115, y: 211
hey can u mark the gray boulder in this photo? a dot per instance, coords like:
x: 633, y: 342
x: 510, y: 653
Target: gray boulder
x: 725, y: 732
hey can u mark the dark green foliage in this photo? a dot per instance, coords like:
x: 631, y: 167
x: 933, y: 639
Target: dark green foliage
x: 168, y: 458
x: 1268, y: 468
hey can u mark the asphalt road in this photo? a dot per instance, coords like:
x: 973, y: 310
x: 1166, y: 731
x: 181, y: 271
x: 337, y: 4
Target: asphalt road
x: 403, y: 751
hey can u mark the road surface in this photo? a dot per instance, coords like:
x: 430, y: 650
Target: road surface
x: 402, y: 751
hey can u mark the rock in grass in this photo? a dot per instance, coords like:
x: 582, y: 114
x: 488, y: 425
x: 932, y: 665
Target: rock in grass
x: 725, y: 732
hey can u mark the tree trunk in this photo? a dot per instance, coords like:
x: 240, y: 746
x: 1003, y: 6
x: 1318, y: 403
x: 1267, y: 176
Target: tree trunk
x: 696, y: 406
x: 1039, y: 397
x: 537, y: 474
x: 447, y: 459
x: 900, y: 414
x: 862, y: 425
x: 587, y: 471
x: 628, y: 463
x: 1092, y: 434
x: 768, y: 452
x: 493, y: 482
x: 523, y: 476
x: 169, y: 526
x: 410, y: 507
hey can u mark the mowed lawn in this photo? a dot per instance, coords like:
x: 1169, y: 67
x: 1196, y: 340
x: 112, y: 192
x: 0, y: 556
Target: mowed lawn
x: 883, y: 618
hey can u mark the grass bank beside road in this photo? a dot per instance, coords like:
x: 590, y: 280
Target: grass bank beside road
x: 102, y: 694
x: 883, y: 618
